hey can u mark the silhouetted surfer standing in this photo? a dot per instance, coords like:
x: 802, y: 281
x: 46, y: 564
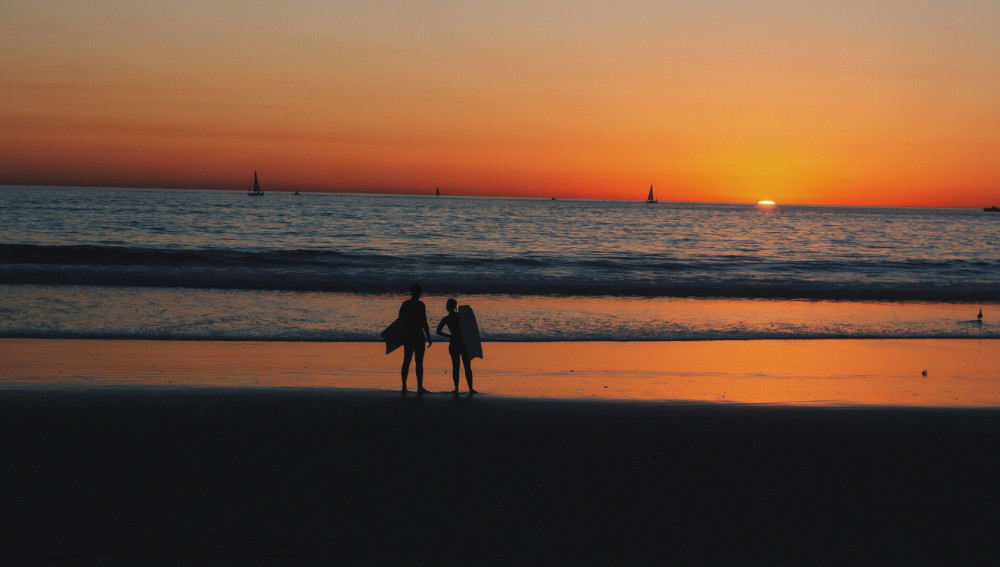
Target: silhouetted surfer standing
x: 456, y: 348
x: 413, y: 316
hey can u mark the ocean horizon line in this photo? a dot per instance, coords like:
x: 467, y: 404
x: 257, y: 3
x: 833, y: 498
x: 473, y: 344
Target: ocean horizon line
x: 422, y: 192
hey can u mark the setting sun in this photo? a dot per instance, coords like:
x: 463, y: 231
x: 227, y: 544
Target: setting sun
x: 765, y: 203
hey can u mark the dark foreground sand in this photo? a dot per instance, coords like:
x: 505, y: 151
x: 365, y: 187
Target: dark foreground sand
x: 148, y: 476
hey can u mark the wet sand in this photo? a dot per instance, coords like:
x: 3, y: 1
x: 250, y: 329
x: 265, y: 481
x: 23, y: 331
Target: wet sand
x: 959, y: 372
x: 98, y: 469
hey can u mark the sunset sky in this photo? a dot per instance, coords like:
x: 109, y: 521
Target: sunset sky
x: 852, y: 102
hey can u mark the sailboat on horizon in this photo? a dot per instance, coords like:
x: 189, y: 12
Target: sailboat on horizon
x: 254, y: 190
x: 650, y: 200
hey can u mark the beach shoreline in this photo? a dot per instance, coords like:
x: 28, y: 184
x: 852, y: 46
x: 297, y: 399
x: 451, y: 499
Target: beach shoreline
x: 168, y: 452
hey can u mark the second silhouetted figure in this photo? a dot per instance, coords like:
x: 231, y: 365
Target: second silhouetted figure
x: 456, y: 348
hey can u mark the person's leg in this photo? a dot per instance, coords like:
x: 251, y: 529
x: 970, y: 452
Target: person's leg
x: 418, y: 354
x: 468, y: 373
x: 454, y: 351
x: 407, y: 356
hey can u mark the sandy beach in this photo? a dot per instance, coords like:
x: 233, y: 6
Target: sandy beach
x: 117, y: 472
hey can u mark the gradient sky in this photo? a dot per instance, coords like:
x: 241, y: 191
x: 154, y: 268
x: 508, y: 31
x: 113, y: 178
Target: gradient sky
x: 854, y: 102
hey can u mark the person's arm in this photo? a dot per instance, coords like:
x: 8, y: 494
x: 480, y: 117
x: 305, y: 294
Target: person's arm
x: 427, y: 329
x: 441, y: 326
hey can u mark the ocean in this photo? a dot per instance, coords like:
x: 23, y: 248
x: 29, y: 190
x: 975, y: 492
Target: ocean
x: 220, y: 265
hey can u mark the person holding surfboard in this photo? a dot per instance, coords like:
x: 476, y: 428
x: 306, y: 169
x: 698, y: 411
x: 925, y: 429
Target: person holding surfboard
x: 456, y: 347
x: 413, y: 319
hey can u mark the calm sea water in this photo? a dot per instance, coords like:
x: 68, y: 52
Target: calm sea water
x: 121, y: 263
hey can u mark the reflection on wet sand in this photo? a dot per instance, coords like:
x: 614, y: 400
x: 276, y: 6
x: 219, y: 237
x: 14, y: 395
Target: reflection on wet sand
x: 863, y: 372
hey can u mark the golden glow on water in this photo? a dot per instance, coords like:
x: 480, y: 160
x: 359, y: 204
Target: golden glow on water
x: 816, y: 372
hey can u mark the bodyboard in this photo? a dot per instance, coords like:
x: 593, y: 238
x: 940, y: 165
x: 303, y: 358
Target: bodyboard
x: 470, y: 332
x: 393, y: 336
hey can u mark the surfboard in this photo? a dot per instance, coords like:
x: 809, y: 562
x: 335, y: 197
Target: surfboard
x: 470, y: 332
x: 393, y: 336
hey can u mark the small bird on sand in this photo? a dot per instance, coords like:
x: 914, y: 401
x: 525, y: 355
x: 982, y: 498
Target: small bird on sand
x: 980, y: 316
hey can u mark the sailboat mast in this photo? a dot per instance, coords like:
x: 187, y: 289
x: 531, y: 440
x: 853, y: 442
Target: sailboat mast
x: 254, y: 189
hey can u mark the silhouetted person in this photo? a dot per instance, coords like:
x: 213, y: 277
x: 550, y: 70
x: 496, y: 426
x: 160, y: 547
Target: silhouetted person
x: 413, y: 316
x: 456, y: 348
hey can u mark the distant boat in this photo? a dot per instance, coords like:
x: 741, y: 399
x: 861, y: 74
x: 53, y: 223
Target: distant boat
x: 650, y: 200
x: 297, y: 193
x: 992, y: 209
x: 437, y: 191
x: 254, y: 190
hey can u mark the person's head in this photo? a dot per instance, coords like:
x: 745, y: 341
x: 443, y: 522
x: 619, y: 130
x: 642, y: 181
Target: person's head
x: 451, y: 306
x: 415, y: 291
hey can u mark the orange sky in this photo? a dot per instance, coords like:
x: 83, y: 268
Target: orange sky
x: 855, y: 103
